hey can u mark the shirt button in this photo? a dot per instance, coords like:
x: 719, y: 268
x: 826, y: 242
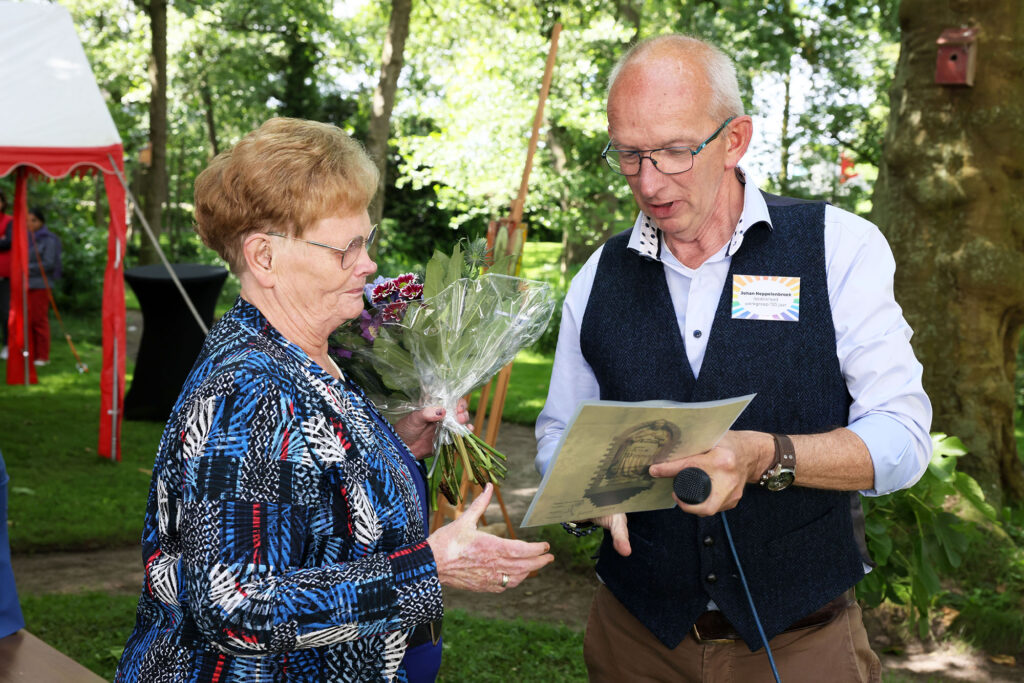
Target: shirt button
x: 711, y: 578
x: 696, y: 333
x: 708, y: 541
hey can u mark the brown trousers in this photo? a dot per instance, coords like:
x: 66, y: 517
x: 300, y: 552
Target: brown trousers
x: 619, y: 648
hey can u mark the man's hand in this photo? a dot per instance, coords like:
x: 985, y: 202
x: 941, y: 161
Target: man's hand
x: 417, y: 428
x: 616, y: 524
x: 738, y: 459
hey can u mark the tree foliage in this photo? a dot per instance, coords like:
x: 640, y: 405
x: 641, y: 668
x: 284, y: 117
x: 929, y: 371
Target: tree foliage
x: 916, y: 541
x: 467, y: 94
x: 814, y: 73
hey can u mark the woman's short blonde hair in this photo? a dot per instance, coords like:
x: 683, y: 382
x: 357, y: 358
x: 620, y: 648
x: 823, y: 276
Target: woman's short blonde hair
x: 284, y: 176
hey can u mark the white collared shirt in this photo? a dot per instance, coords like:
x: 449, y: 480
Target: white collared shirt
x: 890, y: 411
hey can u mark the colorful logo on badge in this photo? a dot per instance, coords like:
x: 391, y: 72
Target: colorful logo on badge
x: 766, y: 297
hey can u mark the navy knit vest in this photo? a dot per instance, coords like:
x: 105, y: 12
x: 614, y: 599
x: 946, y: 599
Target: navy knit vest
x: 798, y: 546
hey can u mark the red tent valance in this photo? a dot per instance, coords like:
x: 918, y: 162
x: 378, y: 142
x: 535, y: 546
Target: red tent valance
x: 58, y: 162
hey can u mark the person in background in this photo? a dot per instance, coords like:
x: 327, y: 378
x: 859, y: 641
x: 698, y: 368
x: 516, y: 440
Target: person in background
x: 6, y: 231
x: 657, y: 313
x: 44, y: 269
x: 286, y: 533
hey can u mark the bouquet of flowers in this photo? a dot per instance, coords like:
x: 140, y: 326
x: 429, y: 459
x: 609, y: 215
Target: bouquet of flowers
x: 434, y: 343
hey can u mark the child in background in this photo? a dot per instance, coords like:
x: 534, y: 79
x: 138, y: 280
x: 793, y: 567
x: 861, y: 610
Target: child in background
x: 44, y: 268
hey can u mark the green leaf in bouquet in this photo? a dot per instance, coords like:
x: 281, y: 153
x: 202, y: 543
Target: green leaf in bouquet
x: 456, y: 265
x: 395, y: 366
x: 453, y: 341
x: 435, y: 274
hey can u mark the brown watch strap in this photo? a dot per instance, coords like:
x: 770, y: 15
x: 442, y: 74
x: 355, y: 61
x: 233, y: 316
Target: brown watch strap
x: 784, y: 459
x: 785, y: 454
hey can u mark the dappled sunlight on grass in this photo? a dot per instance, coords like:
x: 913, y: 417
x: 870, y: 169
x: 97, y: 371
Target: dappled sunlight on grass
x: 542, y: 261
x: 527, y: 388
x: 62, y: 494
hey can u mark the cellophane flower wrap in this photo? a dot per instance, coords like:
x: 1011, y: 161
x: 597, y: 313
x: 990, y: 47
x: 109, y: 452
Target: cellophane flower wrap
x: 435, y: 350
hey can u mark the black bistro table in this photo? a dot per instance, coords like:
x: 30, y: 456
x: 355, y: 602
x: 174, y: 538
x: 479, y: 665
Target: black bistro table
x: 171, y: 337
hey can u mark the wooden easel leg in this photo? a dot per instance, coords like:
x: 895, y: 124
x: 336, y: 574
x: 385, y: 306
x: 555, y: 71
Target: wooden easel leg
x: 504, y: 513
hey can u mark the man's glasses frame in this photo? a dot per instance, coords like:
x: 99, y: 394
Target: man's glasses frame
x: 640, y: 154
x: 349, y: 254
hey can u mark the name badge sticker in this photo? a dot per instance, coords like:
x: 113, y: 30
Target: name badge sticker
x: 765, y: 297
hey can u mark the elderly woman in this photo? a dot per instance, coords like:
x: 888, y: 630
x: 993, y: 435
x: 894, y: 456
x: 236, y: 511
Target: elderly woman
x: 285, y: 534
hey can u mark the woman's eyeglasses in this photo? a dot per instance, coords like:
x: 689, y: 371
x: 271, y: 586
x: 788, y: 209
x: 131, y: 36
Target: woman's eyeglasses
x: 349, y: 254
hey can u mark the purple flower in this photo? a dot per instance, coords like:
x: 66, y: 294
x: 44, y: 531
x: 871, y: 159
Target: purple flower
x: 340, y: 352
x: 368, y: 326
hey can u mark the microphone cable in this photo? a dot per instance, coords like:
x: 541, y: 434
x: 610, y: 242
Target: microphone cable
x: 750, y: 599
x: 692, y: 485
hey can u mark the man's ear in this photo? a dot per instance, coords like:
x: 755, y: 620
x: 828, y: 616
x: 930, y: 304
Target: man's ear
x: 737, y: 139
x: 258, y: 252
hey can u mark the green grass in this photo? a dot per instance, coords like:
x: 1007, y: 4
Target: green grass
x: 480, y: 650
x: 542, y: 261
x: 91, y: 628
x: 62, y: 495
x: 527, y: 388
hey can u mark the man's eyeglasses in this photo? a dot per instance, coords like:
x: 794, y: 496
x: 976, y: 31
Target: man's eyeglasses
x: 349, y: 254
x: 668, y: 160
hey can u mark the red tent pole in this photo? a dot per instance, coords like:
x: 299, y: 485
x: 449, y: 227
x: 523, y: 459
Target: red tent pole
x: 23, y: 371
x: 112, y: 372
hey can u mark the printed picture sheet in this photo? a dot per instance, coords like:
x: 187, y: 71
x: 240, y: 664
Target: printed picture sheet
x: 600, y: 465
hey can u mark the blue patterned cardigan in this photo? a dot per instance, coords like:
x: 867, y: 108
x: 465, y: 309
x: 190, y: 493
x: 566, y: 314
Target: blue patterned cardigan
x: 283, y: 535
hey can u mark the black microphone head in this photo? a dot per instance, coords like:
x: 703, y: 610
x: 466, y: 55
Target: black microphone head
x: 692, y: 485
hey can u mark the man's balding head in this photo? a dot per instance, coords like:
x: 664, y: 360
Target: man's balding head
x: 677, y: 58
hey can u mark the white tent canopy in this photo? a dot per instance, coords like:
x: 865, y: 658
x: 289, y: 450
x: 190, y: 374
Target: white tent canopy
x: 51, y: 98
x: 55, y: 122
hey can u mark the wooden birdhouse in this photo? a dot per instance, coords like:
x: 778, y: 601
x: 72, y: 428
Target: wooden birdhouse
x: 957, y: 56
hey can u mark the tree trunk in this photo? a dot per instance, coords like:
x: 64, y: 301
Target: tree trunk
x: 948, y: 198
x: 558, y: 163
x: 206, y: 95
x: 786, y: 140
x: 156, y: 182
x: 211, y: 125
x: 384, y: 97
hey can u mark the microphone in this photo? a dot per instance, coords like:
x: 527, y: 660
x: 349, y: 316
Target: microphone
x: 692, y: 485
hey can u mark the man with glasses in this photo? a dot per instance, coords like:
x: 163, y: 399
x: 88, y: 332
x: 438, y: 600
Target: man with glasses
x: 721, y: 290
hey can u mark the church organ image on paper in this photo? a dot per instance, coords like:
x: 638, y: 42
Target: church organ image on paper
x: 622, y: 473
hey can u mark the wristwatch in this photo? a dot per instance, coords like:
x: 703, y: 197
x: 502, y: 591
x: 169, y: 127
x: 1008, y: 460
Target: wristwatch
x: 579, y: 529
x: 782, y: 471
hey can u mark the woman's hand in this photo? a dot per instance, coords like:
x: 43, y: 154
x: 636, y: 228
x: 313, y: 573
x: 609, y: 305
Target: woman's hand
x: 417, y: 428
x: 473, y: 560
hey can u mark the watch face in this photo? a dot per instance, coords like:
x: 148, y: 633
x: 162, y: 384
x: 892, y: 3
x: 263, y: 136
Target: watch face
x: 780, y: 481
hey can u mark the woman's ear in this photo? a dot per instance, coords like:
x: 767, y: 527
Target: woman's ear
x: 258, y: 252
